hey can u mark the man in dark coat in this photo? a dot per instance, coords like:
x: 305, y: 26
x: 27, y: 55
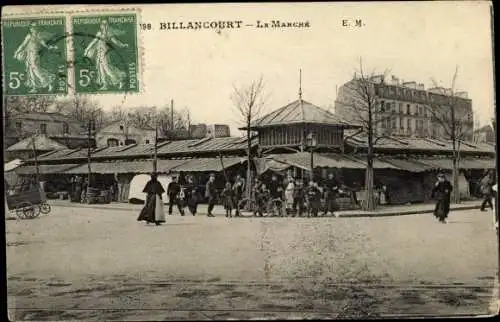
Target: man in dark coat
x: 276, y: 193
x: 258, y: 195
x: 149, y: 212
x: 173, y: 191
x: 331, y: 187
x: 299, y: 199
x: 314, y: 199
x: 238, y: 190
x: 211, y: 194
x: 486, y: 189
x: 442, y: 193
x: 192, y: 195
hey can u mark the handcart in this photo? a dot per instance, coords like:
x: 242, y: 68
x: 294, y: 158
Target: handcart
x: 28, y: 204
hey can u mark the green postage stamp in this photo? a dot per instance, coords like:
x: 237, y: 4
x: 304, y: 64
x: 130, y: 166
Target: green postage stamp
x: 34, y: 56
x: 105, y: 53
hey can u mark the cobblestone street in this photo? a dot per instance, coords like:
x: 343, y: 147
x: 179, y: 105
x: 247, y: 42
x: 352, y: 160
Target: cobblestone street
x: 78, y: 263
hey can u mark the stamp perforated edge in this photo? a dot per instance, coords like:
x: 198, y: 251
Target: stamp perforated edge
x: 4, y: 81
x: 75, y: 10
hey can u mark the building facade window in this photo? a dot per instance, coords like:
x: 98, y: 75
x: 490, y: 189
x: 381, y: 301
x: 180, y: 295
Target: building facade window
x: 393, y: 123
x: 409, y: 128
x: 112, y: 142
x: 408, y: 110
x: 43, y: 128
x: 387, y: 107
x: 19, y: 126
x: 382, y: 105
x: 400, y: 108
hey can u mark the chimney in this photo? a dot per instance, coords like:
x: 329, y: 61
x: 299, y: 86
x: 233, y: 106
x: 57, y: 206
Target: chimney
x: 412, y: 84
x: 421, y: 87
x: 437, y: 90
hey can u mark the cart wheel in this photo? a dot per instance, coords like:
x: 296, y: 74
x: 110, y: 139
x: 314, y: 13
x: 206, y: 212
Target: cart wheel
x: 45, y: 208
x: 19, y: 213
x: 27, y: 209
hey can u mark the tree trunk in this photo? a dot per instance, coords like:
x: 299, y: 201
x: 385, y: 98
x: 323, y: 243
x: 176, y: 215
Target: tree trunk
x: 455, y: 176
x: 248, y: 184
x: 369, y: 204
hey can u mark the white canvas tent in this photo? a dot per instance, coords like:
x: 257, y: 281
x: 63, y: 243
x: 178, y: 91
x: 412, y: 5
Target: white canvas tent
x: 139, y: 182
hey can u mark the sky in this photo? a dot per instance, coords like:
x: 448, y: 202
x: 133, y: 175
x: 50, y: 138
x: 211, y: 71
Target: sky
x: 198, y: 69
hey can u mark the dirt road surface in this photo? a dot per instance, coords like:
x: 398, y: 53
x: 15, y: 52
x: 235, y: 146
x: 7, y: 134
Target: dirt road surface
x: 78, y: 263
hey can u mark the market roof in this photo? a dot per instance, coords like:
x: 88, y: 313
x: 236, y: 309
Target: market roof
x: 297, y: 112
x: 208, y: 164
x: 163, y: 166
x: 42, y: 143
x: 420, y: 144
x: 168, y: 148
x: 44, y: 168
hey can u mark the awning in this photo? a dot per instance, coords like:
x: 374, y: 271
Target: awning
x: 408, y: 164
x: 263, y: 164
x: 464, y: 163
x: 479, y: 163
x: 303, y: 160
x: 44, y: 169
x: 208, y: 164
x: 137, y: 167
x: 377, y: 163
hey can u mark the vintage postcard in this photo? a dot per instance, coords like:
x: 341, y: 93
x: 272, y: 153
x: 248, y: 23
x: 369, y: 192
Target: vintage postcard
x: 250, y: 161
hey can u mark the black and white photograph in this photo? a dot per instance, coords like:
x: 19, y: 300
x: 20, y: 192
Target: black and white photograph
x: 237, y: 161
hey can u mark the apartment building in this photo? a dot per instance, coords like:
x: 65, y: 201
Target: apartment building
x: 408, y: 108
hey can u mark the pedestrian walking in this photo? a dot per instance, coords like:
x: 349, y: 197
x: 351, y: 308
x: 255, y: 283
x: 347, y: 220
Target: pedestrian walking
x: 192, y: 196
x: 314, y: 199
x: 289, y: 194
x: 331, y: 191
x: 486, y: 189
x: 442, y: 193
x: 276, y: 192
x: 173, y: 191
x: 258, y: 195
x: 299, y: 199
x: 153, y: 211
x: 228, y: 199
x: 495, y: 198
x: 238, y: 190
x: 211, y: 194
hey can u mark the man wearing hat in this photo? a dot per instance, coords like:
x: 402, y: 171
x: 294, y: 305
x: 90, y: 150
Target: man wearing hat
x: 331, y: 190
x: 442, y: 193
x: 173, y: 190
x: 211, y: 194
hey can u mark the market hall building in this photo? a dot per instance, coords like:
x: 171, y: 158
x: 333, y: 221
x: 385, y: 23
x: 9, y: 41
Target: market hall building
x: 291, y: 140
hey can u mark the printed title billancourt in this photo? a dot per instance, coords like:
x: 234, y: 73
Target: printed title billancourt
x: 228, y: 24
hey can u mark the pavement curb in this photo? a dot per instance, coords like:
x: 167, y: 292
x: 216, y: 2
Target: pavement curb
x: 354, y: 215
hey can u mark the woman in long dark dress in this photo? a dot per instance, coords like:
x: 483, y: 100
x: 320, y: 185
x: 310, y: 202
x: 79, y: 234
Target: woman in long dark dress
x: 152, y: 212
x: 442, y: 193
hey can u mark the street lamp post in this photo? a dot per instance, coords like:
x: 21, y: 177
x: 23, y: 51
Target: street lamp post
x: 311, y: 143
x: 90, y: 128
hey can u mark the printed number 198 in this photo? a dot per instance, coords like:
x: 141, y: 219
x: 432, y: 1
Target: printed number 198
x: 145, y: 26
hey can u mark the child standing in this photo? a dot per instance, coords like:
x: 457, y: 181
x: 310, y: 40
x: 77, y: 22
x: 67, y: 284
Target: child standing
x: 227, y: 197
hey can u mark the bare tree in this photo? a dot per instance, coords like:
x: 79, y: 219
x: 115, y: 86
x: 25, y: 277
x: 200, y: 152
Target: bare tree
x: 363, y: 104
x: 249, y: 101
x: 455, y: 121
x: 81, y: 109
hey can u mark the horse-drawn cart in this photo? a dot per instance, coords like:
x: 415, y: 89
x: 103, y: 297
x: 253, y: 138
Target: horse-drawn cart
x: 28, y: 204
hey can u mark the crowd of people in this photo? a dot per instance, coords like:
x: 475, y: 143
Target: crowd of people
x: 289, y: 197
